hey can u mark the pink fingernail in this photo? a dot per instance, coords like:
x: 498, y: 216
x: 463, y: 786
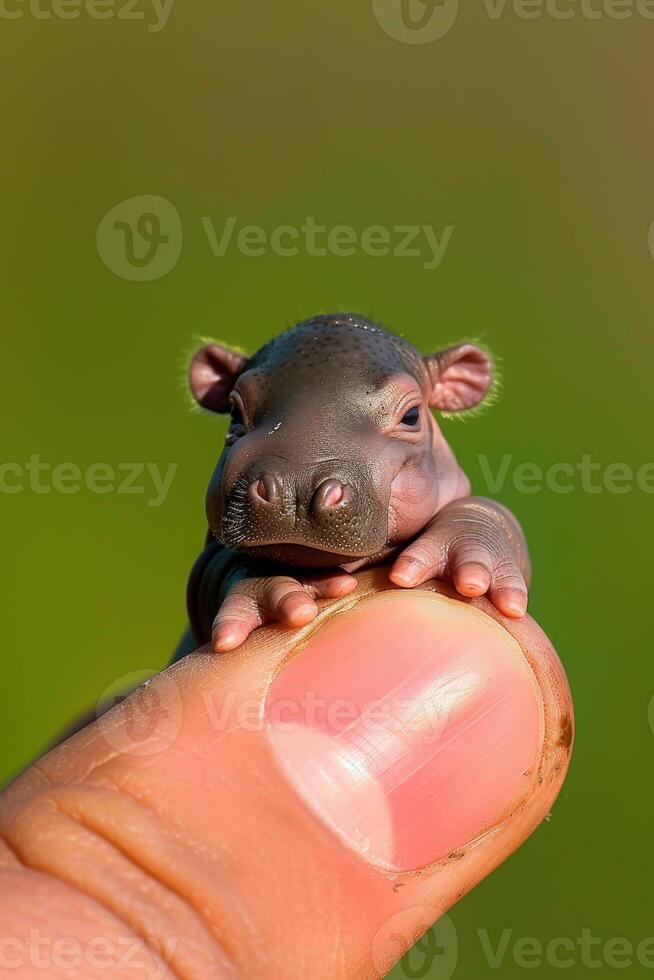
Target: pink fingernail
x: 406, y: 571
x: 222, y: 636
x: 409, y: 725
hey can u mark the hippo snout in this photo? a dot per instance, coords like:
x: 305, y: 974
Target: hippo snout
x: 329, y: 511
x: 266, y: 494
x: 276, y: 498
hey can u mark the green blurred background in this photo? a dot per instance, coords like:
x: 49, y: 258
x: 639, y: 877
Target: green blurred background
x: 533, y: 138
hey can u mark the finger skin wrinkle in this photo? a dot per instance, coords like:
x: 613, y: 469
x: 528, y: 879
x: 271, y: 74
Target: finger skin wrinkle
x: 511, y: 528
x: 36, y: 905
x: 9, y: 857
x: 113, y: 851
x: 94, y: 740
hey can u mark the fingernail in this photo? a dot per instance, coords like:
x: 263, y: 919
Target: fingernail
x: 470, y: 588
x: 408, y: 725
x: 301, y: 613
x: 223, y: 642
x: 221, y: 634
x: 474, y: 580
x: 405, y: 571
x: 227, y: 636
x: 515, y: 606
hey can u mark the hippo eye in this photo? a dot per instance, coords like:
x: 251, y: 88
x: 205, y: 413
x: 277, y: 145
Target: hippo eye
x: 412, y: 417
x: 236, y: 415
x: 237, y: 427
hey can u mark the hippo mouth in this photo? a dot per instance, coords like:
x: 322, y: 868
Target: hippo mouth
x: 304, y: 551
x: 301, y: 545
x: 309, y: 555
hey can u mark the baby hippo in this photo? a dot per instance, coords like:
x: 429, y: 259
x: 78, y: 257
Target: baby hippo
x: 333, y: 461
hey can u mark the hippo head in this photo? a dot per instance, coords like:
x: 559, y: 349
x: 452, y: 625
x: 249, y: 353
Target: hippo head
x: 332, y: 454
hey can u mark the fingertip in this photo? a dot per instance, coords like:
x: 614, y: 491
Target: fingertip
x: 298, y: 610
x: 511, y: 604
x: 336, y: 587
x: 472, y: 579
x: 223, y: 644
x: 405, y: 573
x: 228, y: 636
x: 470, y: 588
x: 334, y: 778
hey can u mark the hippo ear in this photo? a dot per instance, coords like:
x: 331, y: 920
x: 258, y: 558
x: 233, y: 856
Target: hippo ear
x: 212, y: 374
x: 460, y: 377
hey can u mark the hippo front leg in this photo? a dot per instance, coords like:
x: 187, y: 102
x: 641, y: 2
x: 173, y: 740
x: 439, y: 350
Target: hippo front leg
x: 251, y: 602
x: 230, y: 595
x: 478, y: 545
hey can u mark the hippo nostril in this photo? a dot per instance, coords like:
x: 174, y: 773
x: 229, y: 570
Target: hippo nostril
x: 333, y: 493
x: 266, y: 490
x: 329, y: 494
